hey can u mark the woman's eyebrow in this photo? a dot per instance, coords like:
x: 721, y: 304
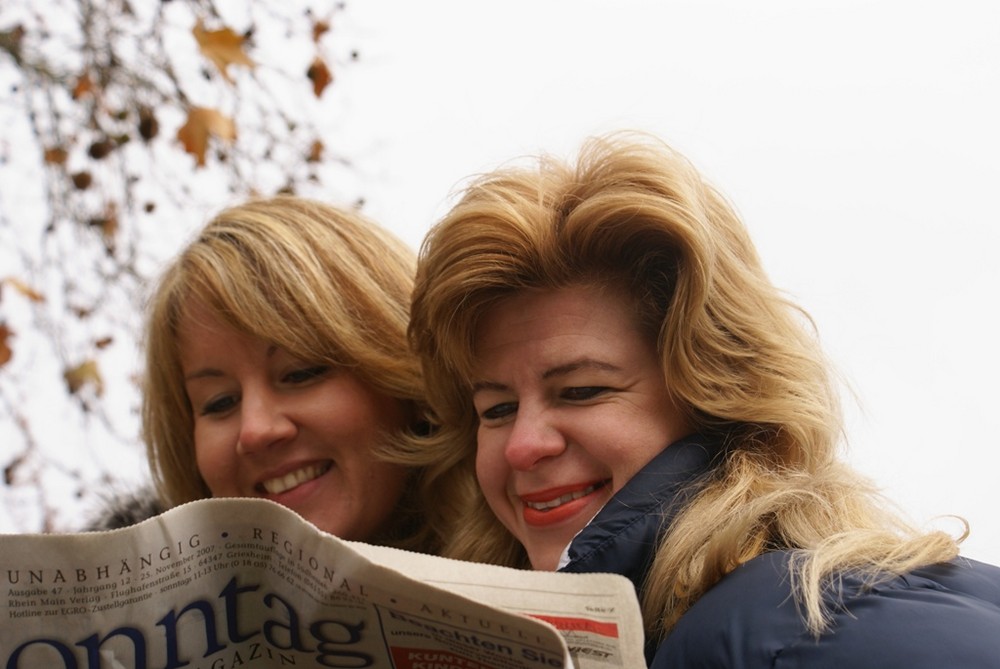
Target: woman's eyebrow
x: 487, y: 385
x: 204, y: 373
x: 558, y: 370
x: 582, y: 363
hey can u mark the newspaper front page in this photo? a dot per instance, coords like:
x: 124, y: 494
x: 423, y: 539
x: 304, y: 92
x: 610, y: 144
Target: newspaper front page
x: 224, y: 583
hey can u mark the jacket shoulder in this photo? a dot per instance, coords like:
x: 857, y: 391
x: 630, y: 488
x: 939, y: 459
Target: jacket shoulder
x: 936, y: 616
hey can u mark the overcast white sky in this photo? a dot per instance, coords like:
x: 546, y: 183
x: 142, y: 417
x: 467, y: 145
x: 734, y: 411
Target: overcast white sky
x: 859, y: 139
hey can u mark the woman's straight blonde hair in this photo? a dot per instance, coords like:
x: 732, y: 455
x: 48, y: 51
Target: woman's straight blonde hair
x: 324, y: 284
x: 740, y: 358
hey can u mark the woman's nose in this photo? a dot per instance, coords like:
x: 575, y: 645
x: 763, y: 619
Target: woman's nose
x: 264, y: 422
x: 534, y: 437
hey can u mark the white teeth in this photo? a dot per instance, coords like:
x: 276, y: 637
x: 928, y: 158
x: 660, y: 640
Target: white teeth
x: 294, y: 479
x: 568, y: 497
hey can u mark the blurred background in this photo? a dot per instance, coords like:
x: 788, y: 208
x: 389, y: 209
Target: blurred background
x: 858, y: 140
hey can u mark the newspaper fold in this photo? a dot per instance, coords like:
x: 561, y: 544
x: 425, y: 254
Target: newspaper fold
x: 224, y: 583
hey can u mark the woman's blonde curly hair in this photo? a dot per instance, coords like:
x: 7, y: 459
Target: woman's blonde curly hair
x: 737, y: 355
x: 321, y: 282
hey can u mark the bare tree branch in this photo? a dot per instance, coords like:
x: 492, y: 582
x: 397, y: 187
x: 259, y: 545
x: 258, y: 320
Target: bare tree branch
x: 104, y: 171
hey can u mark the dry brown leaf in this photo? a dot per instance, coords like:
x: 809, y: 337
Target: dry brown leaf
x: 10, y: 40
x: 149, y: 127
x: 56, y: 155
x: 108, y: 223
x: 83, y: 374
x: 100, y: 149
x: 319, y: 75
x: 223, y: 47
x: 24, y: 289
x: 319, y: 29
x: 315, y: 152
x: 82, y: 180
x: 5, y: 353
x: 201, y: 124
x: 84, y: 86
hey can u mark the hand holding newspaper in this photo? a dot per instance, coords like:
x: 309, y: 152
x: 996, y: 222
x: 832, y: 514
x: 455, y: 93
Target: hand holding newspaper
x: 224, y: 583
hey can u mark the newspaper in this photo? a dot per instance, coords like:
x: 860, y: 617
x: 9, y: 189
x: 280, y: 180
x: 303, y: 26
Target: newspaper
x: 225, y: 583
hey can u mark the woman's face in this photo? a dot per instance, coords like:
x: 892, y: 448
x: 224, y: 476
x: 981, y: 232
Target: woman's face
x: 571, y: 404
x: 298, y: 432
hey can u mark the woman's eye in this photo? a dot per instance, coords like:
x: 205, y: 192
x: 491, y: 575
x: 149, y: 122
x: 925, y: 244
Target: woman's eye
x: 583, y: 392
x: 219, y: 405
x: 498, y: 411
x: 306, y: 374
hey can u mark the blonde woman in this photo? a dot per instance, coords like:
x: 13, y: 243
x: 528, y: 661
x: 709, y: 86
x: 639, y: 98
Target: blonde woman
x: 620, y: 388
x: 277, y: 367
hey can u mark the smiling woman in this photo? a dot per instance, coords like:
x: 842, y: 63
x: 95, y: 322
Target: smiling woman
x: 612, y: 366
x: 565, y: 365
x: 305, y: 432
x: 277, y: 367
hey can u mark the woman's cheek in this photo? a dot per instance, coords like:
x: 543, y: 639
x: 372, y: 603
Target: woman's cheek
x: 491, y: 470
x: 211, y: 458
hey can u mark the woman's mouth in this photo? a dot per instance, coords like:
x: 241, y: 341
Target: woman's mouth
x: 563, y: 499
x: 552, y: 507
x: 294, y: 479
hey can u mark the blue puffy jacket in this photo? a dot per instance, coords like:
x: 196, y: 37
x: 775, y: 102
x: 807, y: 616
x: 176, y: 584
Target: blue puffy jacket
x: 935, y: 617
